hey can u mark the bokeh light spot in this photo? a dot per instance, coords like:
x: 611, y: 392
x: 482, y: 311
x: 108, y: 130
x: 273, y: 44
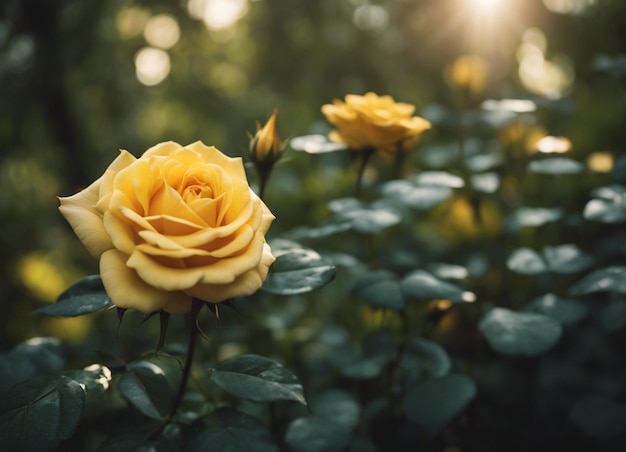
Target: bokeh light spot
x: 372, y: 18
x: 218, y: 14
x: 162, y: 31
x: 152, y: 66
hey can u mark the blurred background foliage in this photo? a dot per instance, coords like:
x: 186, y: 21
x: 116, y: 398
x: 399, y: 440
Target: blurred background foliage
x: 81, y: 79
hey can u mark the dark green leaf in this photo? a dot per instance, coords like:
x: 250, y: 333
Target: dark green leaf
x: 95, y: 380
x: 555, y: 166
x: 372, y: 220
x: 380, y: 289
x: 422, y: 285
x: 424, y: 358
x: 439, y: 179
x: 365, y: 368
x: 608, y: 205
x: 608, y: 279
x: 145, y: 387
x: 415, y: 196
x: 436, y: 402
x: 314, y: 434
x: 36, y: 356
x: 613, y: 315
x: 315, y: 144
x: 486, y: 182
x: 296, y: 270
x: 564, y: 311
x: 519, y: 333
x: 136, y: 442
x: 257, y: 378
x: 337, y: 406
x: 526, y: 261
x: 534, y: 216
x: 39, y: 413
x: 566, y: 258
x: 84, y: 297
x: 229, y: 430
x: 599, y: 417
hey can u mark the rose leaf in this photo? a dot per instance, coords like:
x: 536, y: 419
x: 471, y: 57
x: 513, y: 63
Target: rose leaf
x: 144, y: 386
x: 380, y: 289
x: 259, y: 379
x: 34, y: 357
x: 84, y: 297
x: 313, y: 434
x: 556, y: 166
x: 436, y: 402
x: 297, y: 270
x: 40, y: 413
x: 422, y: 285
x: 609, y: 279
x: 229, y: 430
x: 526, y: 262
x: 519, y: 333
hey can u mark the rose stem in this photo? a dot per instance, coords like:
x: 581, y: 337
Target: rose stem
x: 367, y: 153
x: 194, y: 331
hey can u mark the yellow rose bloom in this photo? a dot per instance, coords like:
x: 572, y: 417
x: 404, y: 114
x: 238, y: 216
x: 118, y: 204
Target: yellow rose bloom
x: 468, y: 72
x: 374, y: 122
x: 175, y: 224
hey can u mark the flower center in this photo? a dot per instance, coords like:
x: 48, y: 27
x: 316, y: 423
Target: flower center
x: 197, y: 191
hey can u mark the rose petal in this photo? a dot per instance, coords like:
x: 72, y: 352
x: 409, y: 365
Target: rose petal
x: 222, y: 271
x: 163, y: 149
x: 128, y: 291
x: 245, y: 284
x: 80, y: 212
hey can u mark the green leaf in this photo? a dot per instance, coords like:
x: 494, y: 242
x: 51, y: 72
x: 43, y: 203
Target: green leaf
x: 315, y: 144
x: 556, y: 166
x: 138, y: 442
x: 436, y: 402
x: 534, y: 216
x: 425, y: 358
x: 566, y: 258
x: 608, y: 279
x: 230, y: 430
x: 337, y: 406
x: 380, y: 289
x: 84, y: 297
x: 40, y: 413
x: 296, y: 270
x: 36, y: 356
x: 438, y: 179
x: 256, y: 378
x: 564, y: 311
x: 365, y: 368
x: 599, y: 417
x: 613, y: 316
x: 95, y: 381
x: 315, y: 434
x: 415, y: 196
x: 526, y: 261
x: 422, y: 285
x: 608, y: 205
x: 519, y: 333
x: 486, y: 182
x: 372, y: 219
x: 145, y: 387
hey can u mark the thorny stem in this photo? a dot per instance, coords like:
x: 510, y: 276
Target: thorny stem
x: 194, y: 332
x: 367, y: 154
x: 397, y: 359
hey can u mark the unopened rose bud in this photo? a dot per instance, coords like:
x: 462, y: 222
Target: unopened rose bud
x: 266, y: 147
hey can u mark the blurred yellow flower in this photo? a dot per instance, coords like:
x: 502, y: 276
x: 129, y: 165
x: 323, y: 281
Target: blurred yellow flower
x: 374, y: 122
x: 469, y: 73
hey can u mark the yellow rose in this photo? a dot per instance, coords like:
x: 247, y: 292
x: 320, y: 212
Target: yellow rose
x: 468, y: 72
x: 374, y: 122
x: 175, y: 224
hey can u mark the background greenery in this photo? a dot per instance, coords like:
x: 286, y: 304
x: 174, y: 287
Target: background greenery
x: 70, y: 98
